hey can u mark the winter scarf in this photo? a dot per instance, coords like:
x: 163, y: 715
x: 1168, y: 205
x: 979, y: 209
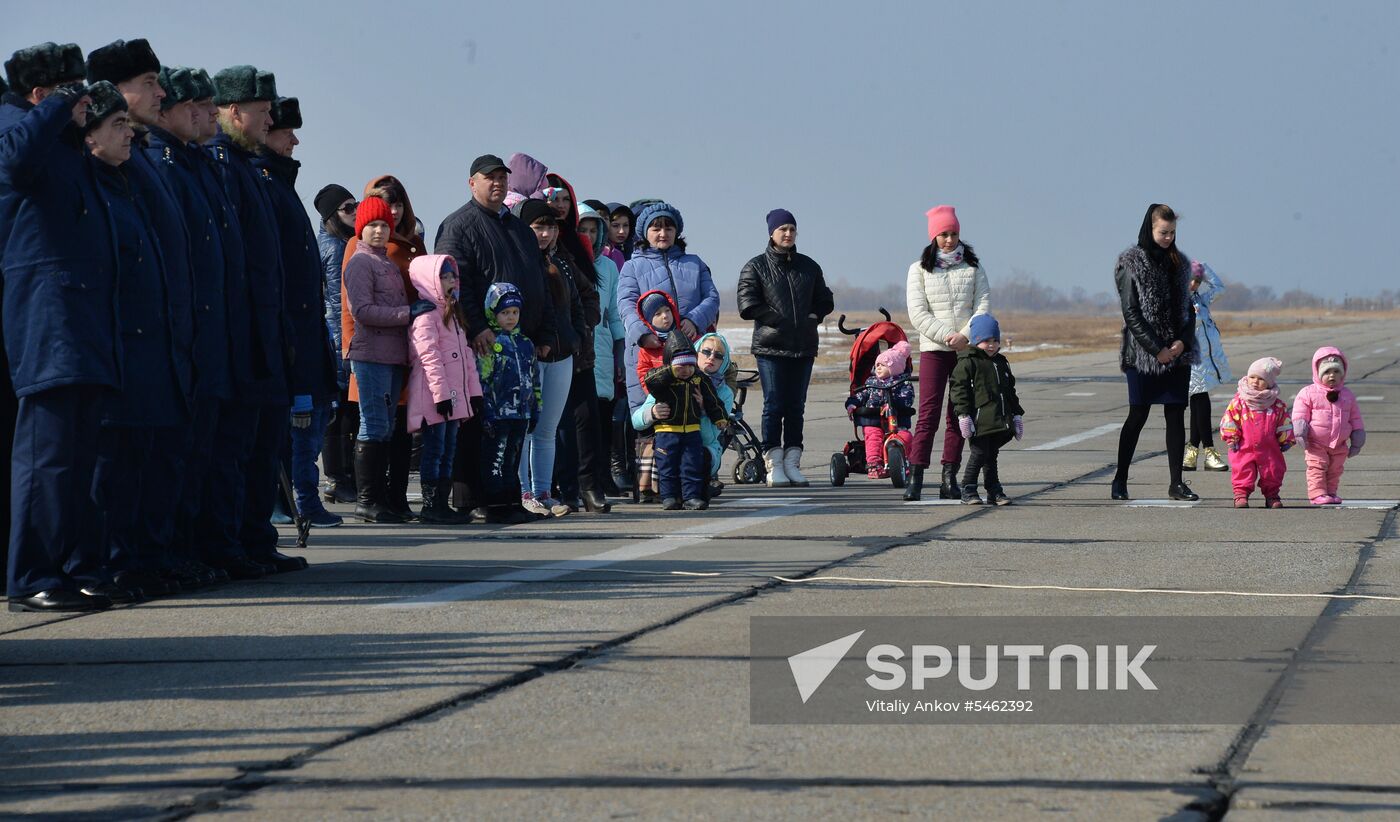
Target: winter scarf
x: 1266, y: 369
x: 950, y: 258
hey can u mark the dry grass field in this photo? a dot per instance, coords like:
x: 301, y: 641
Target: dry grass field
x: 1031, y: 335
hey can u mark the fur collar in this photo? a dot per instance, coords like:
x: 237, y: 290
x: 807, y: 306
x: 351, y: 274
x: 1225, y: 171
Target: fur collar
x: 1163, y: 298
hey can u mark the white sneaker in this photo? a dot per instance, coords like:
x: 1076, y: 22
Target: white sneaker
x: 534, y: 506
x: 555, y: 507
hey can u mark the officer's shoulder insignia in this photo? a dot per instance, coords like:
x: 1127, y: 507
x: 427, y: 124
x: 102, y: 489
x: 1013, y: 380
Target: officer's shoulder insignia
x: 266, y: 175
x: 168, y: 156
x: 221, y: 154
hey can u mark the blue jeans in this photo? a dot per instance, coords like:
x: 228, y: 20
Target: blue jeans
x: 439, y: 446
x: 680, y: 465
x: 537, y: 458
x: 785, y: 382
x: 379, y: 395
x: 306, y: 449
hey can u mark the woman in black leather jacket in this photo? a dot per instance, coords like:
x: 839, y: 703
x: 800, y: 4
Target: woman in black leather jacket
x: 785, y: 295
x: 1154, y: 291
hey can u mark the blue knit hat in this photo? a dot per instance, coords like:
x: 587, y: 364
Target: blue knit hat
x: 983, y: 327
x: 501, y: 296
x: 779, y: 217
x: 651, y: 213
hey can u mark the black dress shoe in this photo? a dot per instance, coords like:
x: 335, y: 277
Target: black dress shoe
x: 152, y: 585
x: 243, y: 568
x: 59, y: 601
x: 671, y: 504
x: 282, y: 563
x: 1119, y: 490
x: 696, y: 505
x: 1182, y: 491
x: 116, y: 594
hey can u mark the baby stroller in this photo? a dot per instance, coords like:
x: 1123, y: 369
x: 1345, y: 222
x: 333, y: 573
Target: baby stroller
x: 739, y: 437
x: 870, y: 343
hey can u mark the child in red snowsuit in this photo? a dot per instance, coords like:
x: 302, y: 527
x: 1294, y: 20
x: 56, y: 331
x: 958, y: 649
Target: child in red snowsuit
x: 1258, y: 429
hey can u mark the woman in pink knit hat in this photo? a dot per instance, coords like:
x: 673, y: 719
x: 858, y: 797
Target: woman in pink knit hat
x: 944, y: 290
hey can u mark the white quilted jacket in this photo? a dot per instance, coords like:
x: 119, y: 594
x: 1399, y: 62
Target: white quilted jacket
x: 943, y: 301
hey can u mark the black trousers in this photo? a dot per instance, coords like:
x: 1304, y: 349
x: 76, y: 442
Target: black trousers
x: 338, y: 454
x: 579, y: 456
x: 982, y: 458
x: 1202, y: 425
x: 499, y: 473
x: 54, y: 538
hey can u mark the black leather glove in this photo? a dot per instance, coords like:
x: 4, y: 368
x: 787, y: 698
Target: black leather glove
x: 421, y: 307
x: 478, y: 406
x: 70, y: 93
x: 444, y: 408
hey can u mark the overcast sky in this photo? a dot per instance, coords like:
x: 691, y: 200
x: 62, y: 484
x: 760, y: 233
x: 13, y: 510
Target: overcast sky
x: 1270, y: 126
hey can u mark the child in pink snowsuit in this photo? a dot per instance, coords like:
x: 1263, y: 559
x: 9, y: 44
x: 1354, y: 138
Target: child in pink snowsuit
x: 1325, y: 416
x: 1258, y: 430
x: 888, y: 384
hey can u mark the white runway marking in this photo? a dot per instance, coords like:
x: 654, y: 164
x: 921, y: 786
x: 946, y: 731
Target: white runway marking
x: 1161, y: 503
x: 686, y: 536
x: 1080, y: 394
x: 1080, y: 437
x: 936, y: 502
x: 1368, y: 504
x: 1370, y: 398
x: 1380, y: 351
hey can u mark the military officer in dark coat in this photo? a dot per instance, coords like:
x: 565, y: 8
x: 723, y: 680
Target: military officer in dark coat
x: 244, y: 96
x: 142, y: 558
x: 60, y: 330
x: 313, y: 372
x: 171, y: 147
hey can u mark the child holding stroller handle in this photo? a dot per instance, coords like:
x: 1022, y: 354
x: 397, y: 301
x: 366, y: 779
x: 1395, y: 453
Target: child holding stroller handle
x: 989, y: 413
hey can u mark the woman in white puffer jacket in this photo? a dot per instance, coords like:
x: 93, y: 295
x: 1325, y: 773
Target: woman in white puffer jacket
x: 944, y: 290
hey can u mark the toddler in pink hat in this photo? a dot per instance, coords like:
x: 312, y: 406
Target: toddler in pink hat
x: 1258, y: 429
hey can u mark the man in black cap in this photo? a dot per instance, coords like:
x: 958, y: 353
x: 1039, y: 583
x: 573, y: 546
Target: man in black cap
x: 132, y: 67
x: 244, y: 96
x: 337, y: 205
x: 312, y: 372
x: 172, y: 153
x: 60, y: 329
x: 492, y: 245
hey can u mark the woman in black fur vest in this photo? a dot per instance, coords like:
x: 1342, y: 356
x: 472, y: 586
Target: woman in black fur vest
x: 1154, y: 290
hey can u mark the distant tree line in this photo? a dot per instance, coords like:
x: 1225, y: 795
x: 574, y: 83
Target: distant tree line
x: 1022, y: 291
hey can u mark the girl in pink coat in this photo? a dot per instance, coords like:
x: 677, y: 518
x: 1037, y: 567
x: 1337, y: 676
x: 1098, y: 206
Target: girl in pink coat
x: 1326, y: 416
x: 443, y: 386
x: 1258, y: 430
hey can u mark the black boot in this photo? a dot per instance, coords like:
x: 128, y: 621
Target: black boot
x: 371, y: 475
x: 400, y: 462
x: 949, y: 488
x: 1118, y: 489
x: 458, y: 516
x: 594, y: 501
x: 915, y: 488
x: 433, y: 504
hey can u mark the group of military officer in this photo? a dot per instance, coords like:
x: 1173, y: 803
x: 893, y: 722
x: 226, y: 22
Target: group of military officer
x: 162, y: 306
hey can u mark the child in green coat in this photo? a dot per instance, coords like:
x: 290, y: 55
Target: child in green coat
x: 989, y: 413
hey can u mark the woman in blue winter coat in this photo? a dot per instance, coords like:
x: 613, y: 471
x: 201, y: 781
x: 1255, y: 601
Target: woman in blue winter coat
x: 1212, y: 370
x: 660, y: 262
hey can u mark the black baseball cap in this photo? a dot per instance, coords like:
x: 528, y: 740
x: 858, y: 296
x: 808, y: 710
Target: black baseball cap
x: 487, y: 163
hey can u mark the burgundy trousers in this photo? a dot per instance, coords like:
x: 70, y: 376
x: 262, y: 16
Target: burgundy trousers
x: 935, y: 368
